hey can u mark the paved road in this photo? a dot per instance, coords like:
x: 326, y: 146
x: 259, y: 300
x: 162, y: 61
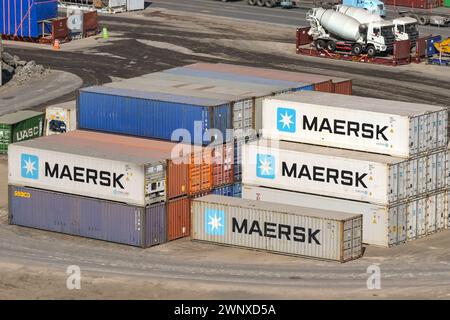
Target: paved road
x: 239, y: 9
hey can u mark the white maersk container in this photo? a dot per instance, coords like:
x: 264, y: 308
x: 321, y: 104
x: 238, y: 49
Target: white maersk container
x: 277, y: 228
x: 81, y: 163
x: 381, y: 126
x: 382, y: 225
x: 60, y: 118
x: 346, y: 174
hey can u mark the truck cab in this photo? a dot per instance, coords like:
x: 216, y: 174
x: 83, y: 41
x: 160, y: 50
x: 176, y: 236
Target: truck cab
x: 372, y: 6
x: 381, y: 35
x: 406, y: 28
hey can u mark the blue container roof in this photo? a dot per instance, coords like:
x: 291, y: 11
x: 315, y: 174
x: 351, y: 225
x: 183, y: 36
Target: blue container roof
x: 156, y: 96
x: 239, y: 78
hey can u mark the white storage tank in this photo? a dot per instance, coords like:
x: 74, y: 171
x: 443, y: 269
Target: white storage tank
x: 277, y: 228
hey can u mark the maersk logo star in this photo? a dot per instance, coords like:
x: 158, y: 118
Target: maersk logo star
x: 215, y: 222
x: 286, y: 120
x: 29, y: 166
x: 265, y: 166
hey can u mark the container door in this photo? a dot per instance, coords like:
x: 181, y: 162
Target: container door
x: 222, y: 122
x: 411, y: 224
x: 402, y: 180
x: 178, y: 218
x: 441, y: 210
x: 432, y: 130
x: 441, y: 165
x: 178, y: 178
x: 414, y: 135
x: 393, y: 183
x: 421, y: 219
x: 5, y: 138
x: 155, y: 225
x: 401, y: 228
x: 431, y: 172
x: 442, y: 129
x: 393, y: 223
x: 422, y: 175
x: 431, y: 214
x: 423, y: 133
x: 412, y: 177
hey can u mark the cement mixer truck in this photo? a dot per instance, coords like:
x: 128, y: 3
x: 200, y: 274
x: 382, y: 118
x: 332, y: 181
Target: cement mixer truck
x: 335, y: 31
x: 405, y: 27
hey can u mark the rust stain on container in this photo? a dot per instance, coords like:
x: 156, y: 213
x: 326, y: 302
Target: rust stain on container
x: 178, y: 218
x: 222, y: 165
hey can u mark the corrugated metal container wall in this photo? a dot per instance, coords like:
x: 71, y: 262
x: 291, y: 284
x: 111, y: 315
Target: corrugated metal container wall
x: 222, y: 164
x: 283, y: 229
x: 342, y: 173
x: 342, y: 86
x: 177, y: 179
x: 382, y: 225
x: 232, y: 190
x: 87, y: 217
x: 358, y: 123
x: 23, y: 18
x: 150, y: 115
x: 200, y: 172
x: 323, y: 82
x: 178, y: 218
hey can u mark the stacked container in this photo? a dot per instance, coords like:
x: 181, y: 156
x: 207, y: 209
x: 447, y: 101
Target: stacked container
x: 397, y: 169
x: 20, y: 126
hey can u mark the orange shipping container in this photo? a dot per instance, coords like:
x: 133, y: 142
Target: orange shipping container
x: 200, y: 172
x: 178, y: 218
x: 326, y: 86
x: 222, y: 165
x: 342, y: 86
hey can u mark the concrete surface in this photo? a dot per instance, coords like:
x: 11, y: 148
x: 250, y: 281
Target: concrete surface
x: 37, y: 91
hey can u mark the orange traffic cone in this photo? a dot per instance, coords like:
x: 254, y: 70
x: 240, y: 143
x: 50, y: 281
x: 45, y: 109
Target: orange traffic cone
x: 56, y: 45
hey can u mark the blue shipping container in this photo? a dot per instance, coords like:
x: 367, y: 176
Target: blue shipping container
x: 431, y: 49
x: 232, y: 190
x: 281, y: 84
x: 24, y: 18
x: 152, y: 114
x: 87, y: 217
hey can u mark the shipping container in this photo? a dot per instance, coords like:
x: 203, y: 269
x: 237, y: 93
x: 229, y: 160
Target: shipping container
x: 152, y: 115
x: 414, y: 4
x: 20, y: 126
x: 28, y: 19
x: 320, y: 83
x: 340, y: 173
x: 222, y: 159
x: 277, y: 228
x: 178, y: 218
x: 382, y: 225
x: 245, y: 97
x: 232, y: 190
x: 60, y: 118
x: 381, y: 126
x: 446, y: 3
x: 89, y: 164
x: 87, y: 217
x: 342, y: 86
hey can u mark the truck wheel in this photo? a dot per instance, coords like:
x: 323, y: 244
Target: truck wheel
x: 371, y: 52
x: 331, y: 46
x: 270, y: 3
x: 251, y: 2
x: 357, y: 49
x: 320, y: 45
x: 423, y: 20
x: 260, y: 2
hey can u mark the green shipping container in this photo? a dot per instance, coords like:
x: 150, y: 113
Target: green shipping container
x: 446, y: 3
x: 20, y: 126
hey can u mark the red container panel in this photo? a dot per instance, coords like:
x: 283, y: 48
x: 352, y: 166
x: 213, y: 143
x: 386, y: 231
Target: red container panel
x: 178, y: 218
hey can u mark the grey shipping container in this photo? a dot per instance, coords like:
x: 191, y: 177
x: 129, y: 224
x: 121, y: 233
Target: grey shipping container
x: 277, y: 228
x: 87, y: 217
